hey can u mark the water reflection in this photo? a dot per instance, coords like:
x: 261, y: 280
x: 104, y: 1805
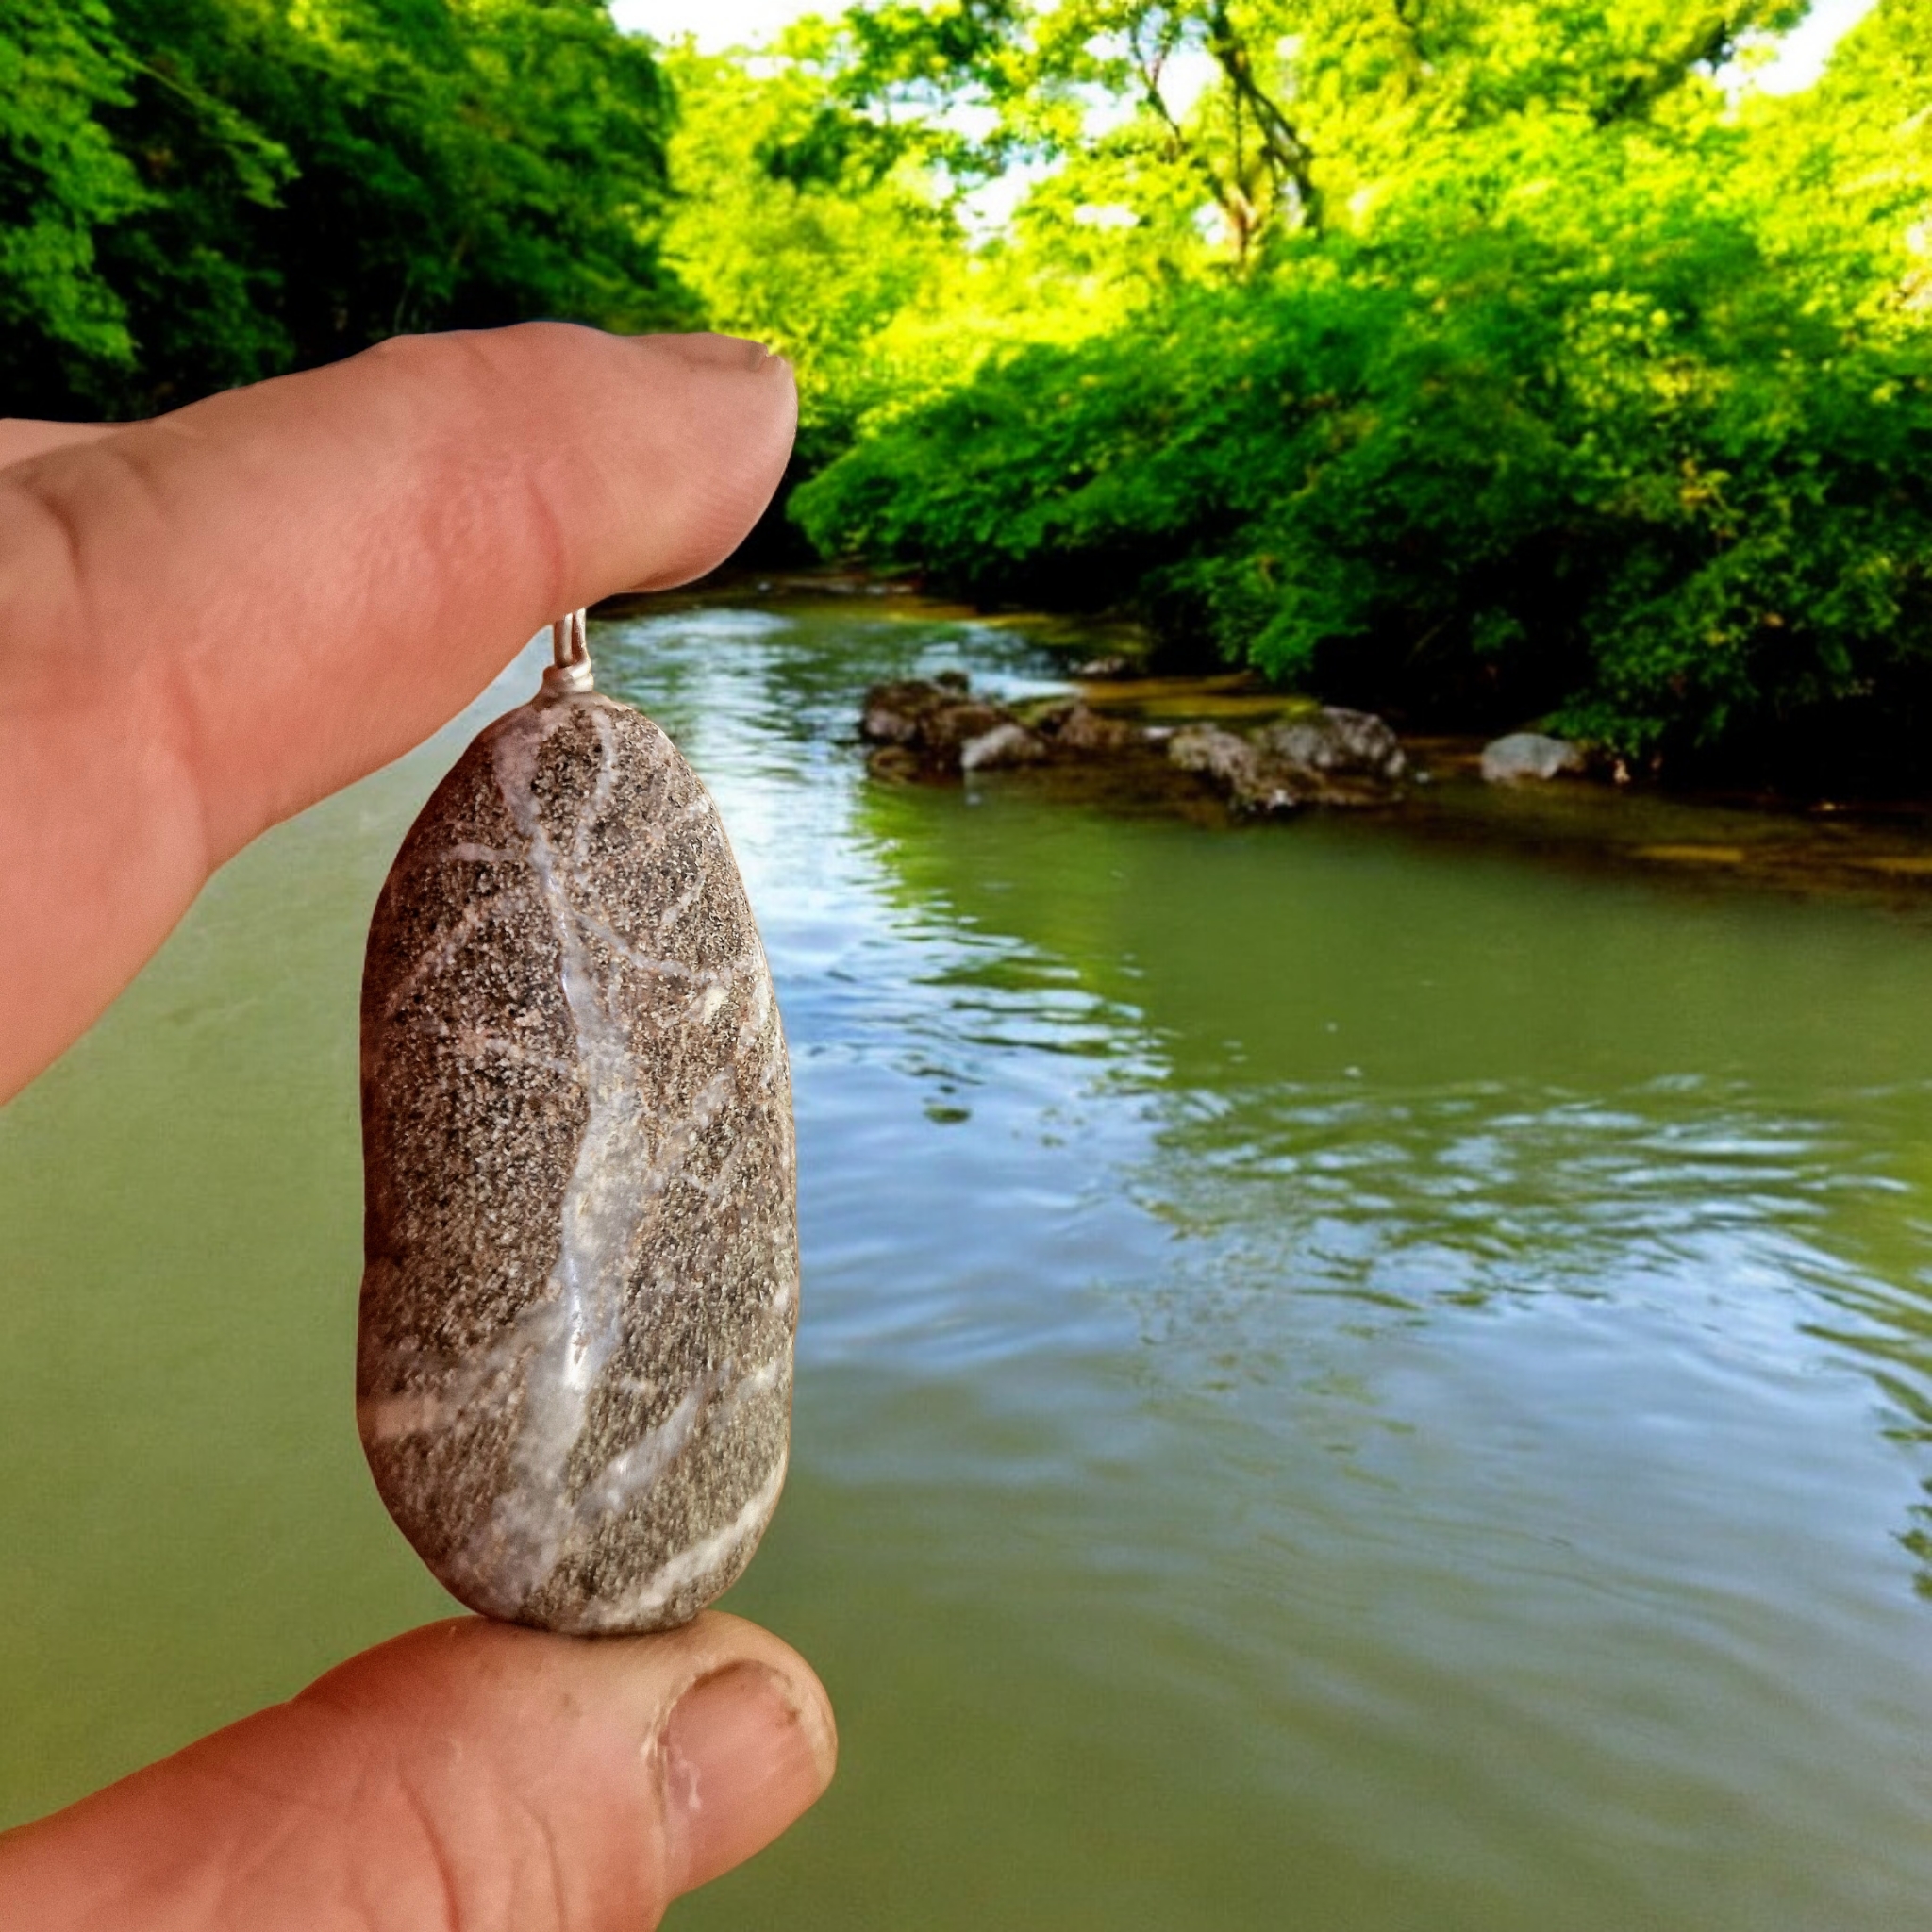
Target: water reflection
x: 1476, y: 1312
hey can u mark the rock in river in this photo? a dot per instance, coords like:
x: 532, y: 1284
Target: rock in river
x: 1004, y: 746
x: 1252, y: 781
x: 1334, y: 758
x: 935, y: 717
x: 1089, y: 733
x: 1344, y: 743
x: 1526, y: 758
x: 574, y: 1372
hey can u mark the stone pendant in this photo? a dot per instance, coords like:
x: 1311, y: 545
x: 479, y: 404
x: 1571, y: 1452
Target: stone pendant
x: 573, y: 1379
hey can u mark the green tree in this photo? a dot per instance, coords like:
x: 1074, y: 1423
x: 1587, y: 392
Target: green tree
x: 1561, y: 388
x: 808, y: 224
x: 1287, y: 116
x: 276, y: 184
x: 62, y: 179
x: 823, y: 208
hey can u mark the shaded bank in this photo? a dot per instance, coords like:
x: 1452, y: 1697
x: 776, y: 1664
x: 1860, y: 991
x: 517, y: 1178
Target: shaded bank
x: 1878, y: 850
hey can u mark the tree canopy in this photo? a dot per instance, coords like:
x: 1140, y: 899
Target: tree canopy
x: 198, y: 192
x: 1486, y: 362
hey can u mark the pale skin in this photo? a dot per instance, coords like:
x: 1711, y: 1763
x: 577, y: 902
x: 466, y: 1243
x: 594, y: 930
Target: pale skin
x: 208, y: 621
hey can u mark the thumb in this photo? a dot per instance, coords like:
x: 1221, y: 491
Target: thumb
x: 468, y: 1776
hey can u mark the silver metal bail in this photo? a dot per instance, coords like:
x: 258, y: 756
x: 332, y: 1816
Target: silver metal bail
x: 569, y: 671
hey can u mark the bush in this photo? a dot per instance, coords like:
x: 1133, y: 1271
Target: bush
x: 1605, y: 455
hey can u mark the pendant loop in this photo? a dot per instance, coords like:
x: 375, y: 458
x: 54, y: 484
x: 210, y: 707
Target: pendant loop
x: 569, y: 669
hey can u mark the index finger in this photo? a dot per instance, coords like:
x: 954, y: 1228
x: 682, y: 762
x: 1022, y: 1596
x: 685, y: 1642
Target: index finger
x: 211, y: 619
x: 21, y: 437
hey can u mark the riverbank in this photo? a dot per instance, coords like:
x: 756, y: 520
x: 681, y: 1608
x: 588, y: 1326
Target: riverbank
x: 1880, y: 853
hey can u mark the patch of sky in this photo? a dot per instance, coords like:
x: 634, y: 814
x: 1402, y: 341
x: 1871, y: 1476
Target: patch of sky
x: 715, y: 26
x: 1789, y: 63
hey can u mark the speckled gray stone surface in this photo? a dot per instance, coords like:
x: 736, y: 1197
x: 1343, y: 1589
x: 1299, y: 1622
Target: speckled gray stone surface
x: 574, y: 1380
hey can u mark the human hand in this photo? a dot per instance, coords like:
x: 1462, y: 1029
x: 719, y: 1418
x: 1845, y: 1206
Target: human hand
x: 207, y: 623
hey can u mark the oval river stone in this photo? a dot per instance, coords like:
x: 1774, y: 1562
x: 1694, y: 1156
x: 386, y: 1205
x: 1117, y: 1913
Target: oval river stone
x: 573, y: 1379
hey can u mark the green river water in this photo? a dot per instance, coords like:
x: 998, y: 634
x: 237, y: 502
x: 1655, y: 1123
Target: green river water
x: 1349, y: 1380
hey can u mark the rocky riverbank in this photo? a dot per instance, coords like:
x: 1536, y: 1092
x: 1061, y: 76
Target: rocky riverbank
x: 1222, y: 750
x: 1315, y: 756
x: 1303, y: 757
x: 1206, y: 748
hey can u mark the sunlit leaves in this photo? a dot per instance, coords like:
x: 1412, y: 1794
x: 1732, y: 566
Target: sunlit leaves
x: 1597, y: 399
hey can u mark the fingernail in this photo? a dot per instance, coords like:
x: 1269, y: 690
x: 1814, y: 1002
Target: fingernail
x: 743, y: 1757
x: 718, y: 352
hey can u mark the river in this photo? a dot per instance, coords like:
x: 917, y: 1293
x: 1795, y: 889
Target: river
x: 1348, y: 1380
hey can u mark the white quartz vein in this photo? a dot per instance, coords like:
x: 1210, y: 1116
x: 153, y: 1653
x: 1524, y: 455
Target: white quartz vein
x: 704, y: 1559
x: 602, y: 1207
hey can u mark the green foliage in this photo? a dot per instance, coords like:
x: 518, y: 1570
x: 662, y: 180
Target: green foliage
x: 1570, y: 391
x: 822, y: 208
x: 807, y: 224
x: 62, y: 178
x: 238, y: 187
